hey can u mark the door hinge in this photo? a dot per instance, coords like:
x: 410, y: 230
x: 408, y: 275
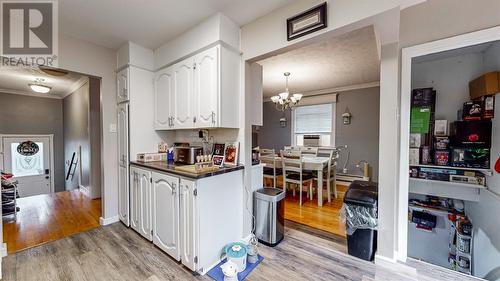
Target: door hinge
x: 151, y: 232
x: 195, y: 259
x: 195, y: 192
x: 151, y: 180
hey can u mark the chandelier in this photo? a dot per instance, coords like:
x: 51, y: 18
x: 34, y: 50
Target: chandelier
x: 284, y: 101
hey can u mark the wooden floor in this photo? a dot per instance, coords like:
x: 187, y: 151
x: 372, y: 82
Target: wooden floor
x: 118, y: 253
x: 325, y: 218
x: 50, y: 217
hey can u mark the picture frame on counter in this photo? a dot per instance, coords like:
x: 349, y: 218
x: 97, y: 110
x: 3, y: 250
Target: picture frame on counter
x: 231, y: 151
x: 218, y: 160
x: 307, y: 22
x: 218, y: 149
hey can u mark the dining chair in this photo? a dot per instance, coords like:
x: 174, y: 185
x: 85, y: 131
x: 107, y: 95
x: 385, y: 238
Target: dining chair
x: 271, y: 171
x: 330, y: 173
x: 293, y: 172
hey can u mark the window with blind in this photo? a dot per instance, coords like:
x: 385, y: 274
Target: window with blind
x: 313, y: 120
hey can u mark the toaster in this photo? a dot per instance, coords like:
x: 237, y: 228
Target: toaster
x: 187, y: 155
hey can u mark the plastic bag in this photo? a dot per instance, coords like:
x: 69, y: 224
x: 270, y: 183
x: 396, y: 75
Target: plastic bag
x: 358, y: 217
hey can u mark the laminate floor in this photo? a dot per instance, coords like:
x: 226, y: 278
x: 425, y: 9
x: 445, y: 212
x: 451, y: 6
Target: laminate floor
x: 49, y: 217
x: 115, y: 252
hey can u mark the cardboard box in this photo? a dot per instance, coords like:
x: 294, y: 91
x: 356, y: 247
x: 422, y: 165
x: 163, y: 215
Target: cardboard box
x: 472, y: 134
x: 151, y: 157
x: 441, y: 128
x: 487, y: 106
x: 486, y: 85
x: 414, y: 156
x: 415, y: 140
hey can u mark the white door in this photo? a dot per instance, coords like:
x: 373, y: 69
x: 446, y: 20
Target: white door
x: 206, y: 88
x: 134, y: 199
x: 189, y: 224
x: 166, y: 214
x: 123, y: 195
x: 164, y: 85
x: 122, y: 88
x: 182, y: 97
x: 122, y: 131
x: 144, y: 196
x: 29, y: 159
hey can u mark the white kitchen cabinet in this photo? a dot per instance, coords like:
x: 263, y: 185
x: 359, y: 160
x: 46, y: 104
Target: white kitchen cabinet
x: 189, y: 224
x: 204, y: 93
x: 165, y: 200
x: 123, y: 195
x: 140, y: 201
x: 182, y: 95
x: 122, y: 85
x: 164, y: 87
x: 206, y: 88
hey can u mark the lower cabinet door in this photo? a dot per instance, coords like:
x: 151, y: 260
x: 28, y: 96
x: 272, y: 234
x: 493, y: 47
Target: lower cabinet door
x: 144, y: 201
x: 165, y: 200
x: 189, y: 224
x: 134, y: 199
x: 123, y: 195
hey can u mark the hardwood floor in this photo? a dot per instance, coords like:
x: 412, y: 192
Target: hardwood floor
x: 325, y: 218
x: 115, y: 252
x: 50, y: 217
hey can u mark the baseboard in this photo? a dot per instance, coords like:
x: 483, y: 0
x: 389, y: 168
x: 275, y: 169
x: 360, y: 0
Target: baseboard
x: 384, y: 260
x: 3, y: 250
x: 107, y: 221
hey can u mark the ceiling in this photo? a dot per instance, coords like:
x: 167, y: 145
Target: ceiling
x: 15, y: 80
x: 480, y: 48
x: 346, y: 60
x: 150, y: 23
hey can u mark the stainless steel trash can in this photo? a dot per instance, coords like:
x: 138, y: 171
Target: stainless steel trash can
x: 269, y: 213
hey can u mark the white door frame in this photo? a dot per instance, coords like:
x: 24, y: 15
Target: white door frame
x: 456, y: 42
x: 51, y: 152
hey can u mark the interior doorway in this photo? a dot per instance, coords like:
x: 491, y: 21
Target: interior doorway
x: 50, y: 154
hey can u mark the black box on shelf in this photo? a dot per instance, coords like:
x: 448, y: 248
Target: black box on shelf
x: 472, y: 110
x: 472, y: 134
x: 424, y: 97
x: 470, y: 157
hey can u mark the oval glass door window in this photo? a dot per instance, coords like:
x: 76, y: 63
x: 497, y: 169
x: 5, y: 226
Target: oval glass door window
x: 27, y: 159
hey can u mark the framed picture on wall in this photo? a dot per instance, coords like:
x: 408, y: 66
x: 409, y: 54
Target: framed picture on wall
x: 231, y: 151
x: 307, y: 22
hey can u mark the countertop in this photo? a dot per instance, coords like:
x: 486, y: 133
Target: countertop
x: 169, y: 167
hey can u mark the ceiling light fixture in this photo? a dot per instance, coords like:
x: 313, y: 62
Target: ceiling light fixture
x: 284, y: 101
x: 39, y: 87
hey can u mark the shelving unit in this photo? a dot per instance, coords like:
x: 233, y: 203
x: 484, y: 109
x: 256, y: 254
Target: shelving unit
x: 454, y: 190
x: 486, y: 172
x: 12, y: 201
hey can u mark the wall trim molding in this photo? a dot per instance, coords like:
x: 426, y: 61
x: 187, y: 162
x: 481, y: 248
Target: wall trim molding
x: 335, y: 90
x: 108, y: 221
x: 77, y: 85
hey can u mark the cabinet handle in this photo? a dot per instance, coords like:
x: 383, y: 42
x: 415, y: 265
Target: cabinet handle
x: 213, y: 117
x: 194, y: 119
x: 174, y: 188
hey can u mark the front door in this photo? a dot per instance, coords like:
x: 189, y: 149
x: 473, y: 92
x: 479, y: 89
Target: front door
x: 29, y: 160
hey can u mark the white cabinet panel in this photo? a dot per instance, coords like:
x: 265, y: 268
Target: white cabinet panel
x: 164, y: 86
x: 165, y: 199
x: 122, y: 130
x: 134, y: 199
x: 122, y: 87
x: 206, y: 88
x: 140, y: 201
x: 123, y: 195
x: 189, y: 224
x: 182, y: 109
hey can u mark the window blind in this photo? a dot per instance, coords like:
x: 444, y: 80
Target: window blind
x: 313, y: 119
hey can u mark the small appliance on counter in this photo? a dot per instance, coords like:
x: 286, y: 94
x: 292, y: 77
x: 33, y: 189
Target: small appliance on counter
x: 186, y: 154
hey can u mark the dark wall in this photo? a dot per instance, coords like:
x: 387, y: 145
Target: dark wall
x: 272, y: 135
x: 20, y: 114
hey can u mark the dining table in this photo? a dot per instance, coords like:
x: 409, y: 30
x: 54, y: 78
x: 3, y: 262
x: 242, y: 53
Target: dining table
x: 313, y: 163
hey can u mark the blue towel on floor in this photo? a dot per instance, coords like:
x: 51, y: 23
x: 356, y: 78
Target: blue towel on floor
x: 216, y: 272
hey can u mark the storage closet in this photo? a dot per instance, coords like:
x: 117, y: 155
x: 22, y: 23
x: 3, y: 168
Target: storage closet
x: 454, y: 144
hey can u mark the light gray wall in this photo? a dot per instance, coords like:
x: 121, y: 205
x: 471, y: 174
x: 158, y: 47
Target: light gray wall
x: 272, y: 135
x: 95, y: 136
x: 21, y: 114
x: 362, y: 135
x: 76, y: 134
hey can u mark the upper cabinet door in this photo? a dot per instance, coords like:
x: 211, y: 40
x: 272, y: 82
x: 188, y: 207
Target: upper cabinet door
x: 182, y: 97
x: 189, y: 224
x: 164, y: 86
x: 122, y: 86
x: 206, y: 88
x: 123, y: 155
x: 166, y: 214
